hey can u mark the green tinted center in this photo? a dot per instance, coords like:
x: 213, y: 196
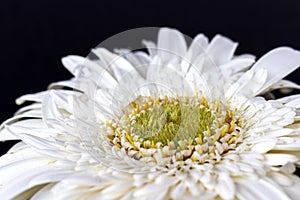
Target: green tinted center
x: 173, y: 122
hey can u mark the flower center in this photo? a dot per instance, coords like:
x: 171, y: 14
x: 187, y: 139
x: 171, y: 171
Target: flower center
x: 170, y: 130
x: 173, y: 122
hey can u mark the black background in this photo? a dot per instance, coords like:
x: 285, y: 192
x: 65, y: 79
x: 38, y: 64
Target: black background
x: 34, y: 35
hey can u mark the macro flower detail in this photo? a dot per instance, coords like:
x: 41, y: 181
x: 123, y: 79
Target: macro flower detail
x: 176, y: 122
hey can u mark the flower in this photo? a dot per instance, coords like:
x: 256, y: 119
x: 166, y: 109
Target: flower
x: 178, y: 123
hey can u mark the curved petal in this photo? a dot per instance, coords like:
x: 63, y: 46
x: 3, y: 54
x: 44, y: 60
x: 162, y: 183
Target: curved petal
x: 279, y: 63
x: 171, y: 45
x: 18, y: 171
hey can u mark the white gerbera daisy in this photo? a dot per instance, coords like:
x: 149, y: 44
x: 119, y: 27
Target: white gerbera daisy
x: 179, y: 123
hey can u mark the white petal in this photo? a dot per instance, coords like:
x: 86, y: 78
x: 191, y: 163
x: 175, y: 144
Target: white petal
x: 282, y: 179
x: 151, y: 47
x: 225, y: 186
x: 116, y: 190
x: 240, y: 84
x: 199, y: 44
x: 279, y: 132
x: 18, y: 169
x: 221, y: 49
x: 236, y: 65
x: 171, y: 45
x: 279, y: 63
x: 197, y: 47
x: 139, y: 60
x: 34, y: 106
x: 264, y: 145
x: 264, y: 189
x: 248, y: 87
x: 287, y: 143
x: 283, y: 84
x: 73, y: 63
x: 28, y: 193
x: 64, y: 84
x: 276, y: 159
x: 178, y: 190
x: 294, y: 103
x: 117, y: 64
x: 293, y: 191
x: 38, y: 97
x: 6, y: 135
x: 148, y: 190
x: 287, y: 99
x: 44, y: 194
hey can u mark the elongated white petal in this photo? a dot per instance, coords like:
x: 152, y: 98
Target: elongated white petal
x: 171, y: 45
x: 264, y: 145
x: 38, y: 97
x: 5, y: 135
x: 139, y: 60
x: 44, y: 193
x: 199, y: 44
x: 117, y: 64
x: 280, y: 158
x: 236, y: 65
x: 240, y: 84
x: 221, y: 49
x: 279, y: 63
x: 225, y: 186
x: 196, y: 49
x: 72, y: 84
x: 288, y: 143
x: 283, y: 84
x: 34, y: 106
x: 19, y: 169
x: 293, y: 191
x: 263, y: 189
x: 29, y: 193
x: 73, y: 63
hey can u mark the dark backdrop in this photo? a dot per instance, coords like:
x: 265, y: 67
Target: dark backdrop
x: 34, y: 35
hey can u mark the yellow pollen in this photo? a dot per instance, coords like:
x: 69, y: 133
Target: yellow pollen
x: 194, y: 159
x: 200, y: 139
x: 166, y: 99
x: 212, y: 106
x: 234, y: 112
x: 204, y: 102
x: 118, y: 133
x: 219, y: 109
x: 157, y: 101
x: 111, y: 137
x: 137, y: 107
x: 152, y: 144
x: 224, y: 130
x: 177, y: 98
x: 111, y: 126
x: 232, y: 123
x: 215, y: 138
x: 231, y: 140
x: 208, y: 131
x: 200, y: 151
x: 146, y: 105
x: 129, y: 137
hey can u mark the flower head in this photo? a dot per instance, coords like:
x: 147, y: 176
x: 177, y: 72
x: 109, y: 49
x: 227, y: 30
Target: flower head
x: 177, y: 123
